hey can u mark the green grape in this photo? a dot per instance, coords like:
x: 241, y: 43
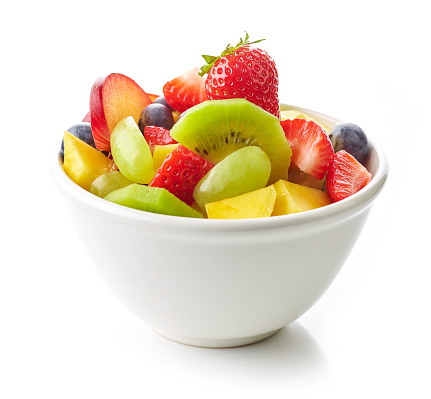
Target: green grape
x: 109, y: 182
x: 131, y: 153
x: 245, y: 170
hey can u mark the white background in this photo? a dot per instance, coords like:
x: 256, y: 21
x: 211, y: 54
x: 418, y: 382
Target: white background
x: 63, y: 335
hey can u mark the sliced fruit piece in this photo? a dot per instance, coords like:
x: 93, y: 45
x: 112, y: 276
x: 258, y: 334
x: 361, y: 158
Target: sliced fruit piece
x: 304, y: 179
x: 155, y: 135
x: 346, y: 176
x: 152, y: 199
x: 160, y: 152
x: 83, y: 132
x: 255, y: 204
x: 112, y: 99
x: 176, y: 116
x: 245, y: 170
x: 311, y: 148
x: 153, y: 97
x: 294, y: 198
x: 185, y: 91
x: 83, y: 163
x: 109, y: 182
x: 216, y: 128
x: 180, y: 172
x: 131, y: 152
x: 292, y: 114
x: 296, y: 114
x: 87, y: 117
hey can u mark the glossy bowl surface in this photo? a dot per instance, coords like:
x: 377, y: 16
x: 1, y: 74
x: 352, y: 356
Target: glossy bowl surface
x: 220, y: 283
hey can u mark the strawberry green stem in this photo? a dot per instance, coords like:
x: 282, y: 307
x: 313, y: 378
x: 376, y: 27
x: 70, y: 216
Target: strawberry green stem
x: 210, y: 59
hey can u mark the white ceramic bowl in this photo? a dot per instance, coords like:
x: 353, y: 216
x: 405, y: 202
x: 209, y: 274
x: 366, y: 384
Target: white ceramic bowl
x: 220, y: 283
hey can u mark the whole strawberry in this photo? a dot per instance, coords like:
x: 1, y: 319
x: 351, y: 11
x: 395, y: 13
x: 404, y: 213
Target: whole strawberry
x: 243, y: 71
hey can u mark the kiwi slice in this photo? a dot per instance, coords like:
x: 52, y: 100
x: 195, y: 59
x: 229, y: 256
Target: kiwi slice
x: 216, y: 128
x: 152, y: 199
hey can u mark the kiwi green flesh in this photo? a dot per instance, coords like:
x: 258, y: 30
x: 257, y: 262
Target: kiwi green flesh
x: 216, y: 128
x: 152, y: 199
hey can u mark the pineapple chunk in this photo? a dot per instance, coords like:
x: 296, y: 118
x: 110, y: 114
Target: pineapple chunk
x: 254, y: 204
x: 295, y: 114
x: 160, y: 152
x: 83, y: 163
x: 294, y: 198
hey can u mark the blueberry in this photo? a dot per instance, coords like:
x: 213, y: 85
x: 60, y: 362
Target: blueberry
x: 350, y: 138
x: 156, y: 114
x: 162, y: 100
x: 83, y: 131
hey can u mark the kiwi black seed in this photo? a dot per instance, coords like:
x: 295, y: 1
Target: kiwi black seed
x: 216, y: 128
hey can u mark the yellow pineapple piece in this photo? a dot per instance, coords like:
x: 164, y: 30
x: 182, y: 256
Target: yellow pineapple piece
x: 83, y: 163
x: 295, y: 114
x: 294, y: 198
x: 255, y: 204
x: 176, y: 115
x: 160, y: 152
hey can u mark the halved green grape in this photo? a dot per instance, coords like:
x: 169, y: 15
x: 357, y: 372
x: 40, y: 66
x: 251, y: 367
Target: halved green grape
x: 131, y: 153
x: 244, y: 170
x: 109, y: 182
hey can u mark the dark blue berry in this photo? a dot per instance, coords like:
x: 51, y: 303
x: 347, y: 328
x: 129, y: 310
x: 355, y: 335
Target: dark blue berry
x: 162, y: 100
x: 83, y: 131
x: 350, y: 138
x: 156, y: 114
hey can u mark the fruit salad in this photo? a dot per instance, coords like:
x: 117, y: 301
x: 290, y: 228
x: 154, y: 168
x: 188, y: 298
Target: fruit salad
x: 213, y: 144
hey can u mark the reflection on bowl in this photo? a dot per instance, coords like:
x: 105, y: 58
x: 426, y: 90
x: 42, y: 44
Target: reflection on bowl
x: 220, y: 283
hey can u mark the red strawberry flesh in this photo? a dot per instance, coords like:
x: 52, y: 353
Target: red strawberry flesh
x: 156, y: 135
x: 346, y: 176
x: 312, y: 151
x: 185, y: 91
x: 180, y: 172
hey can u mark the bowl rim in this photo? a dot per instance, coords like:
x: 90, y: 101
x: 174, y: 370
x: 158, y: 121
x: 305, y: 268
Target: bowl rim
x: 354, y: 203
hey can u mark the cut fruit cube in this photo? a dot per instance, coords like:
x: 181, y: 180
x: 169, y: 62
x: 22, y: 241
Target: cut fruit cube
x: 293, y: 114
x: 294, y: 198
x: 346, y: 176
x: 152, y: 199
x: 297, y: 176
x: 255, y: 204
x: 160, y: 153
x: 109, y: 182
x: 296, y: 114
x: 83, y: 163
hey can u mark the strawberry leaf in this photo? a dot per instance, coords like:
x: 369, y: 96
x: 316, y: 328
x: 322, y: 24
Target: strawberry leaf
x: 210, y: 60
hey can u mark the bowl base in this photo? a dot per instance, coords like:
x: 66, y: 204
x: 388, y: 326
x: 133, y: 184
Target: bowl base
x: 215, y: 342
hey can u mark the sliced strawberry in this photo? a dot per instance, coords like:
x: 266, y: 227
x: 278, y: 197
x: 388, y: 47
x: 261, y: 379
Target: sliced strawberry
x: 156, y: 135
x: 311, y: 147
x: 185, y: 91
x: 346, y: 176
x: 180, y: 172
x: 87, y: 117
